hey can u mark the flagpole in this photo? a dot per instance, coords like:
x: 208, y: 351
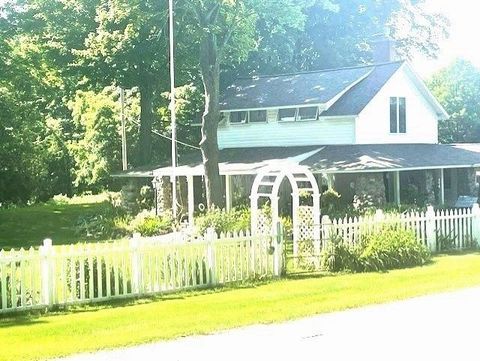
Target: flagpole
x: 172, y: 112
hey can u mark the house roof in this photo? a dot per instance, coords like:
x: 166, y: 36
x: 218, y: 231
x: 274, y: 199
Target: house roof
x: 328, y: 159
x: 388, y: 157
x: 342, y: 92
x: 357, y: 98
x: 348, y: 89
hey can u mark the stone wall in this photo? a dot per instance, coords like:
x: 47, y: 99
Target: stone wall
x: 163, y: 189
x: 472, y: 182
x: 370, y: 188
x: 431, y: 185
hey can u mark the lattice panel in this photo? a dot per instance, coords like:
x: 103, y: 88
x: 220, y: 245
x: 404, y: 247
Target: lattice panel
x: 264, y: 224
x: 305, y: 223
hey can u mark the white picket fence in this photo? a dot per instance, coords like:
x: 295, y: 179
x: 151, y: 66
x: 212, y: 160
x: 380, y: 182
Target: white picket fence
x: 81, y: 273
x: 459, y: 226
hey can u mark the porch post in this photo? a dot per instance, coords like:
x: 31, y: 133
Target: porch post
x: 191, y: 199
x: 330, y: 180
x: 396, y: 187
x: 228, y: 192
x: 442, y: 188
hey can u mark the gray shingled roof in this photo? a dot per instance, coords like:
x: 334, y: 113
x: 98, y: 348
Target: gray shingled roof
x: 331, y: 158
x: 291, y: 89
x: 317, y: 87
x: 356, y: 98
x: 376, y: 157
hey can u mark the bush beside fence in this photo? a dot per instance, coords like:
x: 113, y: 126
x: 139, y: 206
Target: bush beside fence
x: 459, y: 228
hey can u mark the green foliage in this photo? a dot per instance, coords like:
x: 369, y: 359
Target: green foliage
x: 337, y: 256
x: 390, y: 247
x: 96, y: 144
x: 457, y: 87
x: 330, y: 202
x: 108, y: 223
x: 340, y: 33
x: 222, y: 221
x: 148, y: 224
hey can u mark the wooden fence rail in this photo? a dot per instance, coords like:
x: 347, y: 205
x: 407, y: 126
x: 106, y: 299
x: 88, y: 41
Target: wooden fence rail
x: 81, y: 273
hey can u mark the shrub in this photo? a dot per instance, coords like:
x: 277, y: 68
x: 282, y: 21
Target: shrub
x: 338, y: 256
x: 330, y: 202
x: 392, y: 247
x: 148, y: 224
x: 110, y: 222
x: 223, y: 221
x: 388, y: 248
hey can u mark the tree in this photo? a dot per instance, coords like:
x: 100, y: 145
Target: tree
x: 96, y: 145
x: 457, y: 88
x: 34, y: 162
x: 226, y: 32
x: 341, y: 33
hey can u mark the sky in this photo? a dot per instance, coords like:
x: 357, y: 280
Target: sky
x: 463, y: 41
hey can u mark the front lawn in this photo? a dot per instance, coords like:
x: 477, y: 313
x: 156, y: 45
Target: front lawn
x: 88, y: 329
x: 29, y: 226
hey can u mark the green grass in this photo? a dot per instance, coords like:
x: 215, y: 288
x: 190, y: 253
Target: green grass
x: 29, y: 226
x: 100, y: 327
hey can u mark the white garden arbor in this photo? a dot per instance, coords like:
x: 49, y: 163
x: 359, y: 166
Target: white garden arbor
x: 305, y: 218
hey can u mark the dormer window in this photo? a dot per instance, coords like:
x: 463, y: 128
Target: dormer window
x: 297, y: 114
x: 398, y: 115
x: 287, y: 114
x: 238, y: 117
x: 309, y: 113
x: 258, y: 116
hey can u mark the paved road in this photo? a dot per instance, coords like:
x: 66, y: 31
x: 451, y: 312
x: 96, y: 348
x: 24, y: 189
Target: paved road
x: 438, y: 327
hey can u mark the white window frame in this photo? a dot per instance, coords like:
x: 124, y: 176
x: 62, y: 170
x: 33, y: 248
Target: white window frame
x: 238, y: 123
x: 297, y: 118
x: 289, y: 120
x: 258, y: 110
x: 397, y: 99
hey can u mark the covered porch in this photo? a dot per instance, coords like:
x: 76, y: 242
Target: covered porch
x: 428, y: 174
x: 420, y: 174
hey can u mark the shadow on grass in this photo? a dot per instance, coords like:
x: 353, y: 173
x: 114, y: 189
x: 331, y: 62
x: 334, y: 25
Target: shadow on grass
x: 21, y: 320
x: 35, y: 316
x: 456, y: 252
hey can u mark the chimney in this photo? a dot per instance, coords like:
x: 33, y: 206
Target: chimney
x: 384, y: 50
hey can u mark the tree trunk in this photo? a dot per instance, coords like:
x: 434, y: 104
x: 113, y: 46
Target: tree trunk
x: 210, y: 71
x: 146, y: 123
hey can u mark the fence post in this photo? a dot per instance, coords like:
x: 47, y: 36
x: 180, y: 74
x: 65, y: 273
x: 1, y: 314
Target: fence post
x: 476, y: 222
x: 430, y: 229
x: 46, y: 252
x: 133, y: 243
x: 211, y: 236
x: 278, y: 251
x: 326, y: 229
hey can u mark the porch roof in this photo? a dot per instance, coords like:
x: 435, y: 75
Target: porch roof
x: 357, y: 158
x: 393, y: 157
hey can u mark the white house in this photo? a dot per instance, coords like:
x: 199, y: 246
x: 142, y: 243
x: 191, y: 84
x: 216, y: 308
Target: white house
x: 366, y: 130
